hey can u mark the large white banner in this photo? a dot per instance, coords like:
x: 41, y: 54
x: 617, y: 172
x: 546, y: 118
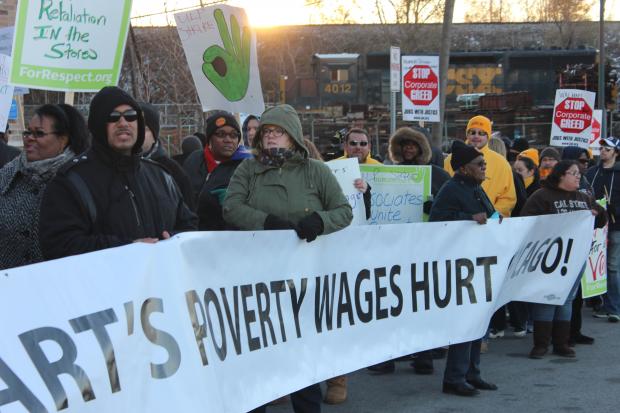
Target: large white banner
x: 226, y: 321
x: 220, y: 48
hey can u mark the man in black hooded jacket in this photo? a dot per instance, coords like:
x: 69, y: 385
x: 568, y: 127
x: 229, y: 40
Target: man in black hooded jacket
x: 109, y: 196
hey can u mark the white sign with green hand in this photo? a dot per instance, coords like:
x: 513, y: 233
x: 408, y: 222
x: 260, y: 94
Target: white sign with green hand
x: 220, y: 48
x: 73, y: 45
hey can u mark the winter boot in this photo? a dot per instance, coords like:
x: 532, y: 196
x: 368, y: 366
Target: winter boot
x: 336, y: 390
x: 560, y: 335
x: 542, y: 337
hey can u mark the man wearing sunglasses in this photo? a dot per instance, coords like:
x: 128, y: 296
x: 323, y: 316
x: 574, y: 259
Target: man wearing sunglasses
x: 357, y: 145
x: 499, y: 183
x: 109, y: 196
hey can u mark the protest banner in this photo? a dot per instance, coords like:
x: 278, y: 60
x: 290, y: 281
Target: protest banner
x: 572, y: 118
x: 220, y: 48
x: 167, y: 327
x: 594, y: 276
x: 346, y: 172
x: 6, y: 91
x: 73, y: 45
x: 398, y: 192
x: 420, y: 88
x: 596, y: 132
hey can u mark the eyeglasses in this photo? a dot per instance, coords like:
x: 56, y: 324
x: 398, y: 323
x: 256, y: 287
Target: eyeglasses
x: 275, y: 132
x: 129, y: 115
x: 476, y: 132
x: 223, y: 135
x: 37, y: 134
x: 583, y: 161
x: 576, y: 174
x: 355, y: 143
x: 607, y: 148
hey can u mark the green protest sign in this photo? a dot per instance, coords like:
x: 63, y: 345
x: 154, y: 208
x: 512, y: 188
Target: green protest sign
x: 69, y: 45
x: 594, y: 277
x: 398, y: 192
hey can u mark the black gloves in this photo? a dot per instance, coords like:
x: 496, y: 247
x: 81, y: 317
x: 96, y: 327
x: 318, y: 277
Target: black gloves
x: 310, y: 227
x: 274, y: 222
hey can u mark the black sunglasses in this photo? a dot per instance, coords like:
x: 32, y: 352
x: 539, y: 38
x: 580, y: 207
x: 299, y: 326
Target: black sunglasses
x: 129, y: 115
x: 355, y: 143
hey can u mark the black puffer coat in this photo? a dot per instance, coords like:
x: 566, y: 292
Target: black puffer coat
x: 459, y: 200
x: 103, y: 199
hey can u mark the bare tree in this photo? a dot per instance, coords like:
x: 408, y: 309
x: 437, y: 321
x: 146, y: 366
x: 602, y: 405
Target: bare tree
x: 562, y: 13
x: 488, y: 11
x: 409, y: 11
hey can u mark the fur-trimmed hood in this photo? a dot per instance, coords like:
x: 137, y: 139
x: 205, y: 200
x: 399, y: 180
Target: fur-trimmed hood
x: 403, y: 134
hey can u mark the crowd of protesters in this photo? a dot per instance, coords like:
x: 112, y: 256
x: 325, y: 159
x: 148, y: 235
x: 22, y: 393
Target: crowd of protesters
x: 80, y: 186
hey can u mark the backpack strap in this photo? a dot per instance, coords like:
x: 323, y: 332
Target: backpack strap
x: 85, y: 195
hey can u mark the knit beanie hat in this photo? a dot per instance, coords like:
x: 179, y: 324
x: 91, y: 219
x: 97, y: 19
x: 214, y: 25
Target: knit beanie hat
x: 550, y: 152
x: 218, y: 120
x: 573, y: 152
x: 102, y: 104
x: 531, y: 153
x: 480, y: 122
x: 520, y: 145
x: 151, y: 118
x: 462, y: 154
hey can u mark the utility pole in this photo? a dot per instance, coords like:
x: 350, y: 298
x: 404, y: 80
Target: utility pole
x: 601, y: 68
x: 444, y: 60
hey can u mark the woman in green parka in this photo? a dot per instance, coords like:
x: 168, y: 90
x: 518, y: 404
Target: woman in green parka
x: 281, y: 188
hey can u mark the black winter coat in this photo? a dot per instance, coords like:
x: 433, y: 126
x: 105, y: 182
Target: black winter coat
x: 606, y: 183
x: 7, y: 153
x: 129, y: 198
x: 178, y: 174
x: 209, y: 201
x: 459, y: 199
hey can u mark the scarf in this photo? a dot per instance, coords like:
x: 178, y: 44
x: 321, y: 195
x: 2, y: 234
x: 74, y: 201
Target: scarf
x: 44, y: 169
x: 275, y: 156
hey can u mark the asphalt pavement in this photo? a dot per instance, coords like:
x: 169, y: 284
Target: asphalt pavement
x: 590, y: 382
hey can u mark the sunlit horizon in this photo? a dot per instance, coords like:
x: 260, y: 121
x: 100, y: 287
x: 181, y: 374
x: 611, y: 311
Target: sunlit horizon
x: 273, y: 13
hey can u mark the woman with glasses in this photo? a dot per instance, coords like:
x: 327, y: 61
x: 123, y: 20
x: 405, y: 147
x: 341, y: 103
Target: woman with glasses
x: 559, y: 194
x: 583, y: 159
x: 282, y: 189
x: 55, y: 134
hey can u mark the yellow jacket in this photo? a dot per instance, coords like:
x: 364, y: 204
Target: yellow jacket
x: 368, y: 160
x: 499, y: 185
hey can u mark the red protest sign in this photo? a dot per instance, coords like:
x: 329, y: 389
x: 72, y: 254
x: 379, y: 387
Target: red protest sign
x: 421, y: 85
x: 573, y: 115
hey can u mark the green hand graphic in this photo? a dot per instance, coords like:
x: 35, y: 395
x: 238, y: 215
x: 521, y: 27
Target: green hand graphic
x: 228, y: 69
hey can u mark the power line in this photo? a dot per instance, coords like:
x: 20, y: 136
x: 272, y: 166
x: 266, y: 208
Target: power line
x: 202, y: 4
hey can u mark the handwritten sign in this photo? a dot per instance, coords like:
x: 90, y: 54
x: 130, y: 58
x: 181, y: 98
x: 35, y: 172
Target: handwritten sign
x: 220, y: 48
x: 6, y: 91
x: 398, y: 192
x: 346, y: 172
x: 594, y: 277
x: 72, y: 45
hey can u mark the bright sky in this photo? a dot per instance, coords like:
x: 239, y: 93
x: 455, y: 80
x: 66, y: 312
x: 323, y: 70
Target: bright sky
x: 264, y: 13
